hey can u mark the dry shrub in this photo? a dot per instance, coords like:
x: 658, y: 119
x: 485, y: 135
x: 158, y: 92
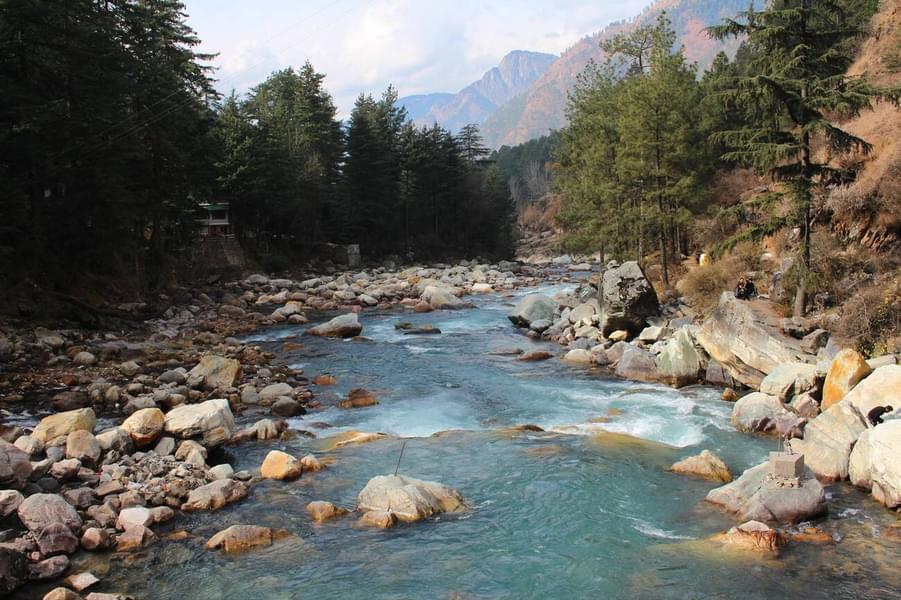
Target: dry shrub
x: 872, y: 316
x: 702, y: 286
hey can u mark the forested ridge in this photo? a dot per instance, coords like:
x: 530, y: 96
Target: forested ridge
x: 112, y: 133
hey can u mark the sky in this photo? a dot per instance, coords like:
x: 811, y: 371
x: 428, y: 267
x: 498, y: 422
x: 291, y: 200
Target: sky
x: 419, y: 46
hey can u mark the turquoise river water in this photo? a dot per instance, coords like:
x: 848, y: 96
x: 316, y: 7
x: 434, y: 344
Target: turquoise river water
x: 552, y: 515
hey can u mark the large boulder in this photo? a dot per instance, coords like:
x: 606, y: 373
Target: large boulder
x: 280, y: 465
x: 679, y: 363
x: 845, y: 371
x: 875, y: 462
x: 145, y: 426
x: 790, y: 379
x: 881, y: 388
x: 343, y: 326
x: 216, y: 372
x: 15, y: 466
x: 638, y: 364
x: 748, y: 348
x: 212, y: 420
x: 40, y: 510
x: 410, y: 499
x: 828, y: 440
x: 64, y: 423
x: 534, y: 307
x: 761, y: 413
x: 754, y: 497
x: 441, y: 298
x: 706, y: 465
x: 627, y: 299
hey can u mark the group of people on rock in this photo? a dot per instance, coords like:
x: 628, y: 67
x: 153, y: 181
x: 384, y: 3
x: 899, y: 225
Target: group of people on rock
x: 745, y: 290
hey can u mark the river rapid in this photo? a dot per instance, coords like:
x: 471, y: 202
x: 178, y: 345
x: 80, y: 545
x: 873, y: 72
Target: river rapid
x: 588, y: 513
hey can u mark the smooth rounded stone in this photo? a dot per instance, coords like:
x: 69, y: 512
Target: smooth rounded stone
x: 135, y: 538
x: 130, y: 368
x: 380, y: 519
x: 620, y: 335
x: 30, y: 445
x: 880, y: 388
x: 216, y: 372
x: 875, y: 462
x: 9, y: 502
x: 805, y: 405
x: 145, y: 426
x: 534, y: 307
x: 482, y: 288
x: 64, y: 423
x: 223, y: 471
x: 441, y: 298
x: 578, y: 357
x: 761, y: 413
x: 325, y: 379
x: 637, y: 364
x: 828, y: 440
x: 192, y: 452
x: 243, y: 538
x: 343, y: 326
x: 535, y: 356
x: 281, y: 466
x: 267, y: 429
x: 752, y: 536
x: 212, y: 420
x: 215, y: 495
x: 134, y: 517
x: 61, y: 593
x: 321, y: 511
x: 81, y: 581
x: 56, y: 538
x: 790, y: 379
x: 846, y: 370
x: 273, y: 392
x: 311, y: 464
x: 679, y: 363
x: 583, y: 313
x: 287, y: 407
x: 95, y: 538
x: 165, y: 446
x: 249, y: 395
x: 84, y: 359
x: 162, y: 514
x: 83, y: 445
x: 753, y: 497
x: 540, y: 326
x: 65, y: 469
x: 15, y: 466
x: 706, y: 465
x: 50, y: 568
x: 747, y: 348
x: 359, y: 398
x: 13, y: 569
x: 176, y: 376
x: 410, y: 499
x: 41, y: 510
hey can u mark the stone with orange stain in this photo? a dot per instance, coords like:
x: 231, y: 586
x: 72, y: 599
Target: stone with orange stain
x: 378, y: 518
x: 325, y: 379
x: 281, y: 466
x: 752, y: 536
x: 847, y: 369
x: 812, y: 535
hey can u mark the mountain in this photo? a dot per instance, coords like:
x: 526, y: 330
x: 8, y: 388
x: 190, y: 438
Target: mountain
x: 542, y: 106
x: 474, y: 103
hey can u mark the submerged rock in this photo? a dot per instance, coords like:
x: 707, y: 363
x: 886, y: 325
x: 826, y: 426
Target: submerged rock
x: 753, y: 536
x: 243, y: 538
x: 410, y: 499
x: 705, y: 465
x: 753, y: 497
x: 359, y: 398
x: 320, y: 511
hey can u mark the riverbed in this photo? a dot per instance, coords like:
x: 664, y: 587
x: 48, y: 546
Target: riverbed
x: 585, y: 509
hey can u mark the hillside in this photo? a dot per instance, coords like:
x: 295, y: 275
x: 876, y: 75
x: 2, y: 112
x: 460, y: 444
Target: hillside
x: 543, y: 105
x: 476, y: 102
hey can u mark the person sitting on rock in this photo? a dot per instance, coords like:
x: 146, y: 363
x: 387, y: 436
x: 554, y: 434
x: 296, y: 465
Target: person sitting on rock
x: 875, y: 415
x: 750, y: 289
x: 741, y: 290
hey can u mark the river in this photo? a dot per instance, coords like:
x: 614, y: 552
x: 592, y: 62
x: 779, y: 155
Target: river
x: 551, y: 515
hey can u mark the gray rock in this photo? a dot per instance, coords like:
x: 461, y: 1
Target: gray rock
x: 211, y: 420
x: 679, y: 363
x: 41, y: 510
x: 272, y: 392
x: 15, y: 466
x: 828, y: 440
x: 752, y: 497
x: 534, y: 307
x: 637, y: 364
x: 343, y: 326
x: 627, y: 298
x: 815, y: 340
x: 874, y: 463
x: 790, y: 379
x: 760, y: 413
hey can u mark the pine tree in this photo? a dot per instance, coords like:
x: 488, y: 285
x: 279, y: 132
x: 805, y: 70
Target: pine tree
x: 797, y: 78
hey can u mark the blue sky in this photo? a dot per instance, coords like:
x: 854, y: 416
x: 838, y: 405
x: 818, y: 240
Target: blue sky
x: 363, y: 45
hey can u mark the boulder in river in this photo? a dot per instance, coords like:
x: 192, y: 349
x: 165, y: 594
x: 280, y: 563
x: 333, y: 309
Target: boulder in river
x: 706, y: 465
x: 441, y: 298
x: 627, y: 298
x: 875, y: 462
x: 410, y: 499
x: 343, y: 326
x: 790, y: 379
x: 752, y: 536
x: 637, y: 363
x: 243, y: 538
x: 215, y: 495
x: 828, y: 440
x: 880, y: 388
x: 64, y: 423
x: 216, y: 372
x: 846, y: 370
x: 280, y: 465
x: 533, y: 307
x: 321, y: 511
x: 359, y: 398
x: 680, y: 363
x: 754, y: 497
x: 211, y: 420
x: 743, y: 343
x: 761, y: 413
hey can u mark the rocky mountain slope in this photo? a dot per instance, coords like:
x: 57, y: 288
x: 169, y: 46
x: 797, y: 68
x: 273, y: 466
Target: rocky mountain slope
x: 474, y: 103
x: 542, y: 107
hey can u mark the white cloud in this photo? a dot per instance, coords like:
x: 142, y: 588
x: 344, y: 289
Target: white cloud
x: 363, y: 45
